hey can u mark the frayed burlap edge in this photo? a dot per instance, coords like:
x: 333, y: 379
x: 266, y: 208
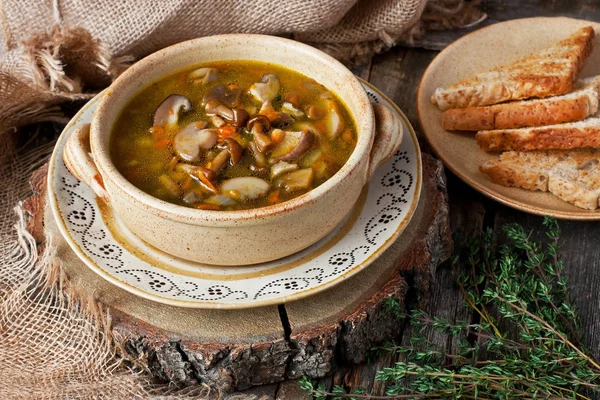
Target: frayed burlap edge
x: 65, y: 64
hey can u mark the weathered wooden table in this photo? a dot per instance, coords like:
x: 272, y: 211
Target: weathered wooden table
x: 397, y: 73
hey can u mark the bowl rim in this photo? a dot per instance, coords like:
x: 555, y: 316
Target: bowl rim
x: 364, y: 120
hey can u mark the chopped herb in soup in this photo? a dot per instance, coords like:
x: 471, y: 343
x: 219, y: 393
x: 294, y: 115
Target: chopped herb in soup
x: 232, y: 135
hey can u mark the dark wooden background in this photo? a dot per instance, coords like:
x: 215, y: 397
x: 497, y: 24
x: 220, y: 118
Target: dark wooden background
x: 397, y: 73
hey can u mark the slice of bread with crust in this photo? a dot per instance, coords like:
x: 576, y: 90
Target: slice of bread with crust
x: 573, y: 176
x: 569, y: 107
x: 549, y: 72
x: 571, y: 135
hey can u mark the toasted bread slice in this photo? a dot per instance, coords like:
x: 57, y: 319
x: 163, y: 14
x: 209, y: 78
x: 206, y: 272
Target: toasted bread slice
x: 571, y: 135
x: 549, y: 72
x: 573, y: 176
x: 569, y: 107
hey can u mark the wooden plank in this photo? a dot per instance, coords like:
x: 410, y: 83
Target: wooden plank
x: 397, y: 73
x: 504, y: 10
x: 579, y: 244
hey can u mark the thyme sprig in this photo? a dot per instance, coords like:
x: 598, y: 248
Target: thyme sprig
x: 525, y: 326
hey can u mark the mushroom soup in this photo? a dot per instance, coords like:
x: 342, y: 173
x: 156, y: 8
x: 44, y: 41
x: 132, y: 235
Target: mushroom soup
x: 232, y: 135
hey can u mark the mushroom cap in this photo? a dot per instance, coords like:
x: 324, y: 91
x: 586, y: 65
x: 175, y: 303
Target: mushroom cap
x: 263, y: 119
x: 303, y: 144
x: 204, y: 75
x: 224, y: 95
x: 333, y: 120
x: 267, y: 89
x: 189, y: 142
x: 247, y: 187
x: 167, y: 113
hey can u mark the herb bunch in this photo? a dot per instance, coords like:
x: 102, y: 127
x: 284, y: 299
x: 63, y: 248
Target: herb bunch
x: 525, y: 340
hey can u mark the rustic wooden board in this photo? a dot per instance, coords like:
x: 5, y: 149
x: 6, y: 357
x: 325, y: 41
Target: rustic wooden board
x: 237, y: 349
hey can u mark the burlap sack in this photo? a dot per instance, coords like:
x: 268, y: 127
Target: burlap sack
x: 55, y: 343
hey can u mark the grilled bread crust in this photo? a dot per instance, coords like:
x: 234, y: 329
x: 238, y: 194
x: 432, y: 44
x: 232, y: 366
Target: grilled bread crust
x: 549, y: 72
x: 572, y: 135
x: 570, y: 107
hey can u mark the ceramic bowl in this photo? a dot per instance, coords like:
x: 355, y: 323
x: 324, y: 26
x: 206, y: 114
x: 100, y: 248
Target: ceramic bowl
x: 246, y: 236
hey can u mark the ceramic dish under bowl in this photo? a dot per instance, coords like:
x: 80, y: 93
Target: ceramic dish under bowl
x: 247, y: 236
x: 480, y: 51
x: 98, y: 236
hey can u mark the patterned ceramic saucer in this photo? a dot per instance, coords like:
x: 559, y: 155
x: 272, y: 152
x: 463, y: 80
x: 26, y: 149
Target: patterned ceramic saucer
x: 98, y: 237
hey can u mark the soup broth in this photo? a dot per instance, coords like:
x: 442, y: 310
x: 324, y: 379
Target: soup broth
x: 232, y: 135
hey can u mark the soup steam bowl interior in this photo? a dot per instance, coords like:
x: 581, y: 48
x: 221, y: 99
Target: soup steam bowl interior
x: 234, y: 237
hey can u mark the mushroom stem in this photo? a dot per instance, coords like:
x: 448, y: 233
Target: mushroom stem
x: 219, y: 161
x: 258, y: 125
x: 261, y: 161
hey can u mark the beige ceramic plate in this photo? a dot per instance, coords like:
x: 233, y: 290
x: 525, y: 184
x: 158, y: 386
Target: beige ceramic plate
x: 477, y: 52
x: 101, y: 240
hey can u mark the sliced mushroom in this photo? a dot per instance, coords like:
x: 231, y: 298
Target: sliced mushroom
x: 289, y: 140
x: 196, y: 170
x: 204, y: 75
x: 219, y: 161
x: 217, y: 121
x: 213, y: 107
x: 305, y: 142
x: 282, y: 120
x: 267, y: 109
x: 259, y: 156
x: 267, y: 89
x: 235, y: 116
x: 202, y: 175
x: 290, y: 109
x: 281, y: 168
x: 224, y: 95
x: 333, y: 120
x: 258, y: 125
x: 278, y: 119
x: 246, y: 187
x: 297, y: 180
x: 189, y: 142
x: 167, y: 113
x: 235, y: 150
x: 240, y: 117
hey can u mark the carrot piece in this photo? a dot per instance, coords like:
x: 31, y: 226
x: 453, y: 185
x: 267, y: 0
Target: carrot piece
x: 205, y: 206
x: 161, y: 143
x: 273, y: 197
x: 226, y: 131
x: 207, y: 183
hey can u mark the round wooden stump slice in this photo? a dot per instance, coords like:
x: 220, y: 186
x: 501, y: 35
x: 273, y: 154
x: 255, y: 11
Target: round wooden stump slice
x: 236, y: 349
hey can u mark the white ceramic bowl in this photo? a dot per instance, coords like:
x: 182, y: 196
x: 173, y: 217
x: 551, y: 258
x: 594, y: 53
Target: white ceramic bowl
x: 234, y: 237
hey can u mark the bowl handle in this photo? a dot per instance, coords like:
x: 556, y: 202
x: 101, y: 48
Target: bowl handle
x: 78, y: 160
x: 388, y: 136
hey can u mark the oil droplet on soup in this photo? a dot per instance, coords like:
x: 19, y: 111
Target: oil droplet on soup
x: 232, y: 135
